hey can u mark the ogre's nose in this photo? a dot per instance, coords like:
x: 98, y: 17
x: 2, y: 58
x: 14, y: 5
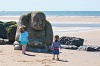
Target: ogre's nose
x: 40, y: 21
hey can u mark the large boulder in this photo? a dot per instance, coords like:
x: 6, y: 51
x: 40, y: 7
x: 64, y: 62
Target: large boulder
x: 3, y: 26
x: 11, y: 31
x: 1, y: 29
x: 39, y: 29
x: 71, y: 41
x: 8, y: 31
x: 7, y: 24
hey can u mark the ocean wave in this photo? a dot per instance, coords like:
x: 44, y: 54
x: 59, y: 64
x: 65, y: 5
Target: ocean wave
x: 55, y: 13
x: 72, y: 30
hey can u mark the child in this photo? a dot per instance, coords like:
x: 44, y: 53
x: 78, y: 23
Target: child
x: 55, y: 47
x: 23, y: 38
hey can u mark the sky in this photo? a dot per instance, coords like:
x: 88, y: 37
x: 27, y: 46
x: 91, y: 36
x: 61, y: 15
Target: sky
x: 49, y: 5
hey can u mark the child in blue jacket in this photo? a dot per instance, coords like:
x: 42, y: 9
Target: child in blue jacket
x: 23, y: 38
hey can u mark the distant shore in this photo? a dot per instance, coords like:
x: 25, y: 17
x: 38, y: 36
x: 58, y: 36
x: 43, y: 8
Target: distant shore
x: 56, y: 18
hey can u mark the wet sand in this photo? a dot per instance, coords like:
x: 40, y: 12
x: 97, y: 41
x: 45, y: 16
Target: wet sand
x: 58, y: 18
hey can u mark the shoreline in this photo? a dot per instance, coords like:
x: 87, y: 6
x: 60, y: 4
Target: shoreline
x: 57, y: 18
x: 87, y: 34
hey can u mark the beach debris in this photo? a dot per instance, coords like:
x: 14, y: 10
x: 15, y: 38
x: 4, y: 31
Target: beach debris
x: 64, y: 40
x: 89, y: 48
x: 0, y: 51
x: 45, y: 61
x: 23, y: 61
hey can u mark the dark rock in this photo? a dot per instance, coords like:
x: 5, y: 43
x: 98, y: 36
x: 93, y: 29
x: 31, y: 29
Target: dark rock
x: 4, y: 31
x: 71, y: 41
x: 1, y: 29
x: 89, y: 48
x: 2, y: 42
x: 11, y: 31
x: 98, y: 48
x: 7, y: 24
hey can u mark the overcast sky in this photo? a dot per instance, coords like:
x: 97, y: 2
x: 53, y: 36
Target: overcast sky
x: 50, y: 5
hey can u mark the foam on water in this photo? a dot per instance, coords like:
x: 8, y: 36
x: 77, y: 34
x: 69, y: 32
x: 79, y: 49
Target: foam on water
x: 75, y: 26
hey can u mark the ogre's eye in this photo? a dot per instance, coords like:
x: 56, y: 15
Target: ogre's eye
x: 36, y: 19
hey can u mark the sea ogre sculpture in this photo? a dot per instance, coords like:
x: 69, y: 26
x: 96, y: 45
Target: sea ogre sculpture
x: 39, y: 29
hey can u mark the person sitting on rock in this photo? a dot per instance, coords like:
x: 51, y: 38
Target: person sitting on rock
x: 55, y: 47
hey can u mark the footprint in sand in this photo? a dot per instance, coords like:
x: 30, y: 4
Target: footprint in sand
x: 0, y: 51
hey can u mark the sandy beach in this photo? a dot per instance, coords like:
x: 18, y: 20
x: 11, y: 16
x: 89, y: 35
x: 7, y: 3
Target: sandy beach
x: 11, y: 57
x: 58, y: 18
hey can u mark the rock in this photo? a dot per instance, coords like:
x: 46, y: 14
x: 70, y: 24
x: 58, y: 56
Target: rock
x: 71, y: 41
x: 89, y: 48
x: 1, y: 29
x: 84, y: 48
x: 98, y: 48
x: 7, y: 24
x: 11, y: 31
x: 16, y: 45
x: 73, y: 47
x: 2, y: 42
x: 8, y: 31
x: 39, y: 29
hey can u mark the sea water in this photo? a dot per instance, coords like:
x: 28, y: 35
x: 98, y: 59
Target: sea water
x: 54, y: 13
x: 75, y: 26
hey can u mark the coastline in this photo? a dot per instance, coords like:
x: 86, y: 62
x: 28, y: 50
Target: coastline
x: 57, y: 18
x: 87, y: 34
x: 74, y: 19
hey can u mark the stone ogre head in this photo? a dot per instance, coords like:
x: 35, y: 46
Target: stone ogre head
x: 38, y: 20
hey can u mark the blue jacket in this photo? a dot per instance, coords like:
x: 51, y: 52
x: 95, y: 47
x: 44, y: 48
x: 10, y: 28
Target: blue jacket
x: 23, y: 36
